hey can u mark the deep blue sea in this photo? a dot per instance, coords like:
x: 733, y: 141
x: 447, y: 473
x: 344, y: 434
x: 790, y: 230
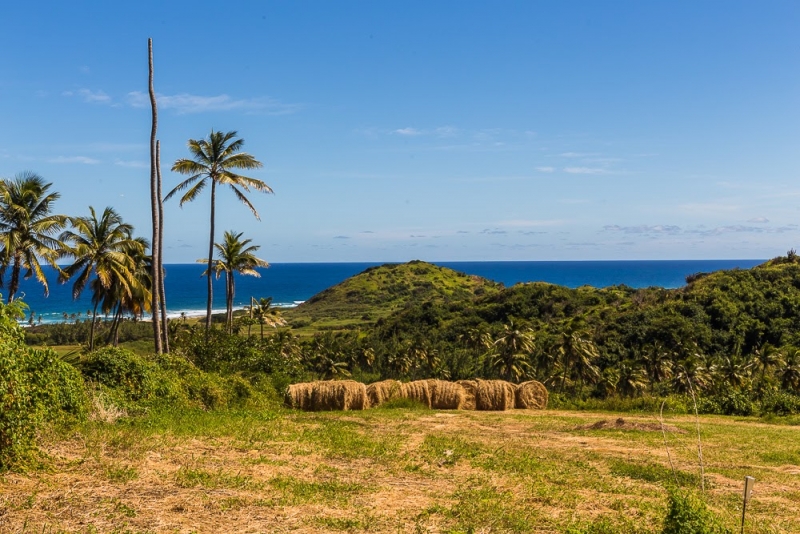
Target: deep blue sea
x: 291, y: 283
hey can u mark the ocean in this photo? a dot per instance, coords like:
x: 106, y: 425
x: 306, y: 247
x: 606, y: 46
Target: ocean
x: 292, y: 283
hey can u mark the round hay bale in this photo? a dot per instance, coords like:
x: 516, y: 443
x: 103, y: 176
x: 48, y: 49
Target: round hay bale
x: 418, y: 391
x: 470, y: 390
x: 446, y: 395
x: 339, y: 395
x: 298, y: 396
x: 531, y: 396
x: 495, y: 395
x: 380, y: 392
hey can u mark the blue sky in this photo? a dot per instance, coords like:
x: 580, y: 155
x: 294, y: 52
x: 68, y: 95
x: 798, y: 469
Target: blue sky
x: 448, y: 130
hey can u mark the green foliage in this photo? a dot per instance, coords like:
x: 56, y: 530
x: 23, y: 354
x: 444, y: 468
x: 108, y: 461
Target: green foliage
x: 133, y: 381
x: 688, y: 514
x: 35, y: 387
x: 780, y: 403
x: 728, y: 403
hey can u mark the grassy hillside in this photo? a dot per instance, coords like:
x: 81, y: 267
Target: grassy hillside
x: 380, y: 291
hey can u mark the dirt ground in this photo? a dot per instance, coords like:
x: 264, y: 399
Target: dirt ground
x: 411, y: 472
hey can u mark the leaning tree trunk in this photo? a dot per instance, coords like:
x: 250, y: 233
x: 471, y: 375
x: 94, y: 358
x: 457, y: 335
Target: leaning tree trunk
x: 154, y: 205
x: 162, y: 293
x: 210, y: 261
x: 231, y: 294
x: 14, y: 285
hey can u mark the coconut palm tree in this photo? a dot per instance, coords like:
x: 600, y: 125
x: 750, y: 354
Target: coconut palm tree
x: 235, y: 256
x: 265, y: 314
x: 213, y: 162
x: 511, y: 351
x: 103, y: 247
x: 27, y: 229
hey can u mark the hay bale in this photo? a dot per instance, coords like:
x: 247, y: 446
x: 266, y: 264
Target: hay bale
x: 327, y: 395
x: 495, y: 395
x: 531, y: 395
x: 380, y: 392
x: 470, y: 390
x: 446, y: 395
x: 298, y: 396
x: 418, y: 391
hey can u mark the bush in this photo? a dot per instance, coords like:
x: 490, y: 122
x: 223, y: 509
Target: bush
x: 780, y: 403
x: 36, y: 386
x: 134, y: 381
x: 728, y: 403
x: 687, y: 514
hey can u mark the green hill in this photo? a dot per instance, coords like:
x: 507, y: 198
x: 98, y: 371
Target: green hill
x: 725, y: 311
x: 380, y: 291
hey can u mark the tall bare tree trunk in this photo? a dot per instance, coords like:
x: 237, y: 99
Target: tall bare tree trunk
x: 154, y: 205
x: 162, y: 293
x: 210, y: 261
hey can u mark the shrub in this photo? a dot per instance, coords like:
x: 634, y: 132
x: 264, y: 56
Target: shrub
x: 780, y: 403
x: 728, y: 403
x: 687, y: 514
x: 36, y: 386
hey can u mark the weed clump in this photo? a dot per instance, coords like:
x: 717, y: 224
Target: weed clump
x: 687, y: 514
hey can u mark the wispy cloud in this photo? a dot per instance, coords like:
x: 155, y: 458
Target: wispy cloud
x: 410, y: 132
x: 545, y: 169
x: 92, y: 97
x: 585, y: 170
x: 185, y: 103
x: 644, y: 229
x: 759, y: 220
x: 74, y: 159
x: 578, y: 154
x: 341, y: 237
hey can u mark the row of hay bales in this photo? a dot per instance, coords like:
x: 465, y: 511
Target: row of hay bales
x: 436, y: 394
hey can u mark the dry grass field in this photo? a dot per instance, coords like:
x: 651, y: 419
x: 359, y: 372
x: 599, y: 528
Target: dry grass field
x: 399, y: 470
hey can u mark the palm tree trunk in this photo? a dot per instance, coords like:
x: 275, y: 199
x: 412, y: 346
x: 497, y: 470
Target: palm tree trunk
x: 228, y: 301
x: 14, y: 285
x: 91, y: 329
x: 162, y: 293
x: 210, y: 260
x: 156, y: 268
x: 231, y: 294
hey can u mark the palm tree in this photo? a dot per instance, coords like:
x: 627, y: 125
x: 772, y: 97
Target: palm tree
x: 214, y: 160
x: 265, y: 314
x: 102, y: 247
x: 578, y: 354
x: 27, y: 229
x: 235, y: 256
x: 766, y: 359
x: 789, y: 372
x: 511, y: 351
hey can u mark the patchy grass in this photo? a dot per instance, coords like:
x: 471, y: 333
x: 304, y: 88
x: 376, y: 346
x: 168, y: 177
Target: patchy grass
x: 397, y: 470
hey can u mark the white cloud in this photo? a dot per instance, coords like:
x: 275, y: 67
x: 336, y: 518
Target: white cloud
x: 74, y: 159
x: 408, y: 131
x: 545, y: 169
x: 185, y: 103
x: 89, y: 96
x: 578, y: 154
x: 759, y: 220
x: 585, y: 170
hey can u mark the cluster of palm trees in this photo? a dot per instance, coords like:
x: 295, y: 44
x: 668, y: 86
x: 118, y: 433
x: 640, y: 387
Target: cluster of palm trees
x: 103, y: 251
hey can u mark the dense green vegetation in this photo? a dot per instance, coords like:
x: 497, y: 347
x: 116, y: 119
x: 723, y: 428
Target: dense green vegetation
x: 730, y: 338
